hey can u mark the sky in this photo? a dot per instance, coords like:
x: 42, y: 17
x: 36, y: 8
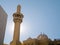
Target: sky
x: 40, y: 16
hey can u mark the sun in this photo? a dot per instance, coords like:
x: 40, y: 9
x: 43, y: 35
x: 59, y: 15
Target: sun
x: 11, y: 27
x: 23, y: 27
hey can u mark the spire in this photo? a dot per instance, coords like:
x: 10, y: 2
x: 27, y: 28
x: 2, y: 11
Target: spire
x: 18, y: 9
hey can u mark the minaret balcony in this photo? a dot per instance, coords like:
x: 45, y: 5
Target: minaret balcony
x: 20, y: 16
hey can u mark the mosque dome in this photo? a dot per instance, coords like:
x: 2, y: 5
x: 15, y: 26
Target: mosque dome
x: 29, y: 38
x: 42, y: 37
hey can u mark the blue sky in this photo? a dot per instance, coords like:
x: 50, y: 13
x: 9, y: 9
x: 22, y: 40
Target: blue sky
x: 39, y: 16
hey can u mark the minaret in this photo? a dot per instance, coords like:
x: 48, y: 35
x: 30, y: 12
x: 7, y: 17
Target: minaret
x: 17, y: 18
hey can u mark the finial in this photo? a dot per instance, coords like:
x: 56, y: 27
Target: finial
x: 41, y: 33
x: 18, y: 9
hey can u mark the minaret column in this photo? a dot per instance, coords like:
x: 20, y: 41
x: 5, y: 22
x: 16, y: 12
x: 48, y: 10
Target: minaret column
x: 16, y: 31
x: 17, y: 18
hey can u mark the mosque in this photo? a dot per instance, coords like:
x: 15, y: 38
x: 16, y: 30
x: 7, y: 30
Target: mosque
x: 41, y: 39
